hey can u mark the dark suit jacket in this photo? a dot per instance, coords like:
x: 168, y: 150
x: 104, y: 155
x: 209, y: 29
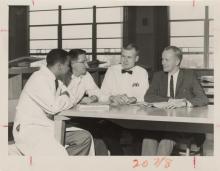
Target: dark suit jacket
x: 187, y: 87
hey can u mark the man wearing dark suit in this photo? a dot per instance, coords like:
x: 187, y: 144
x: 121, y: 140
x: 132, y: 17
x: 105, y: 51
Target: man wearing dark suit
x: 176, y: 88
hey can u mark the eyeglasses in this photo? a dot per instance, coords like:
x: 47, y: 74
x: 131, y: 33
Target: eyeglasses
x: 82, y: 62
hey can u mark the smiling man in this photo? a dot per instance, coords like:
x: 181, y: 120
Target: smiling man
x: 177, y: 88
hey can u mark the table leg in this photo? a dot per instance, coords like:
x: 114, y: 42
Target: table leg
x: 60, y: 130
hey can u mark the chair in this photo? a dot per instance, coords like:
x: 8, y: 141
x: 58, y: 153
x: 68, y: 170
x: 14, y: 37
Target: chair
x: 187, y: 147
x: 207, y: 83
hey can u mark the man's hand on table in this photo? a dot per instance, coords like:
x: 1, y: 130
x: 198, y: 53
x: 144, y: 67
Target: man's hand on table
x: 171, y: 104
x: 122, y: 99
x: 176, y: 103
x: 132, y: 100
x: 88, y: 100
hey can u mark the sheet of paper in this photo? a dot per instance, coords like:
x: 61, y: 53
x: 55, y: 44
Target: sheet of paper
x: 160, y: 105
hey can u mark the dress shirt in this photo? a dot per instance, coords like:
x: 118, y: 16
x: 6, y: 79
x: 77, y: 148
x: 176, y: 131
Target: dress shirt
x: 133, y: 84
x: 84, y: 85
x: 39, y: 98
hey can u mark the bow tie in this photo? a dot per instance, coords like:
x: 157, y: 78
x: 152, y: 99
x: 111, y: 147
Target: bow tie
x: 126, y: 71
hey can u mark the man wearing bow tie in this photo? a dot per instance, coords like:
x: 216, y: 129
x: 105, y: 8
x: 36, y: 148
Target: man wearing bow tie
x: 125, y: 83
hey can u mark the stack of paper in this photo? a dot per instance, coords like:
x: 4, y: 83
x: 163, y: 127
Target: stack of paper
x: 160, y: 105
x: 93, y: 107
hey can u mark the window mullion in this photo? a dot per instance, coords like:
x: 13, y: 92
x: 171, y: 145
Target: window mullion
x: 60, y: 27
x: 206, y: 38
x: 94, y: 35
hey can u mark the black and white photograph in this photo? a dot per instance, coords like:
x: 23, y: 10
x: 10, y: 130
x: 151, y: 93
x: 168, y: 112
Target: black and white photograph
x: 111, y: 80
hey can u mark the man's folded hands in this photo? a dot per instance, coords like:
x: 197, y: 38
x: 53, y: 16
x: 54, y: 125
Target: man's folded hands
x: 171, y: 104
x: 122, y: 99
x: 88, y: 100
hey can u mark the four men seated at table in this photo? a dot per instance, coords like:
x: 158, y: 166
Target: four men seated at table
x: 44, y: 96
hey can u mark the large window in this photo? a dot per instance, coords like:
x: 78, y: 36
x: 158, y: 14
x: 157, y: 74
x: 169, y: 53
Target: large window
x: 77, y: 25
x: 109, y: 34
x: 98, y: 30
x: 192, y: 31
x: 43, y: 31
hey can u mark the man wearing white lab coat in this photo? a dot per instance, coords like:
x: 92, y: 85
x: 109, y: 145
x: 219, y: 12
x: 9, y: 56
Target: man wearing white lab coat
x: 43, y: 97
x: 125, y: 83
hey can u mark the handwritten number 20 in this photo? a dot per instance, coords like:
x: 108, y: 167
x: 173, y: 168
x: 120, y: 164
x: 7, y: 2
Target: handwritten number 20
x: 136, y: 163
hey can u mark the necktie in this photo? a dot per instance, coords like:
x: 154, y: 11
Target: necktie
x: 56, y: 83
x: 126, y: 71
x: 171, y: 87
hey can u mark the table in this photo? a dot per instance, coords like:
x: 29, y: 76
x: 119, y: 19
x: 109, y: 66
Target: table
x: 196, y: 120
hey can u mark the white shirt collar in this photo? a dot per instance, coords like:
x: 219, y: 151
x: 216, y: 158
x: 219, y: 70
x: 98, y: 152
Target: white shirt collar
x: 175, y: 74
x: 131, y: 69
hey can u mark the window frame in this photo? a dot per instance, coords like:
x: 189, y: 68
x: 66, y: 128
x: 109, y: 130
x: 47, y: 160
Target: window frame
x: 60, y: 25
x: 206, y: 35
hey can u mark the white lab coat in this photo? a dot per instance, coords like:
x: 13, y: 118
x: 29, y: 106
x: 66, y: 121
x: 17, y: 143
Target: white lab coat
x: 134, y: 85
x: 39, y: 99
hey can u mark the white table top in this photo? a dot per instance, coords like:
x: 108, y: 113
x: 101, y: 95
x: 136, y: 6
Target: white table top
x: 202, y: 115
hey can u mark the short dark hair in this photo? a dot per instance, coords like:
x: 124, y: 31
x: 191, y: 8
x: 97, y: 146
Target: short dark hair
x: 176, y: 50
x: 56, y: 56
x: 74, y: 53
x: 130, y: 46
